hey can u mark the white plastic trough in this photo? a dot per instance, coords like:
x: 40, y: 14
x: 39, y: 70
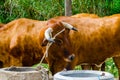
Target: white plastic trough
x: 83, y: 75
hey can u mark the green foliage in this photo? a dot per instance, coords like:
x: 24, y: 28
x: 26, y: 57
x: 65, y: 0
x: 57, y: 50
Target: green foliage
x: 110, y: 67
x: 45, y: 9
x: 43, y: 64
x: 34, y: 9
x: 100, y: 7
x: 115, y: 7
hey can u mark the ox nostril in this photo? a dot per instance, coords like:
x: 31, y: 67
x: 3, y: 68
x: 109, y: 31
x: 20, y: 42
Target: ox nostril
x: 71, y: 57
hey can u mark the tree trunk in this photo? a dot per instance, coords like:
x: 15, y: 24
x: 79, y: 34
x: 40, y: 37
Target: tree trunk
x: 68, y: 7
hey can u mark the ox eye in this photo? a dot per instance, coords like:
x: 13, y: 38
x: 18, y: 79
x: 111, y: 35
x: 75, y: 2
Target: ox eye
x: 58, y: 42
x: 66, y: 52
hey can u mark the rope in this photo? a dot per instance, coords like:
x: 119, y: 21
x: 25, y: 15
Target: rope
x: 46, y: 52
x: 48, y: 46
x: 39, y: 67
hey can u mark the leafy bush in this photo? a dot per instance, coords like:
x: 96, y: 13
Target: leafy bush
x: 45, y: 9
x: 110, y: 67
x: 34, y: 9
x: 100, y: 7
x: 115, y: 7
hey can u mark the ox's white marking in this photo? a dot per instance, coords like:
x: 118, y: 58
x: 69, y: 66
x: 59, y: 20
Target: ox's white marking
x: 69, y: 26
x: 50, y: 43
x: 48, y: 34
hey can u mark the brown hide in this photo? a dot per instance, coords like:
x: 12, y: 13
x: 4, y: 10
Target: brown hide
x: 88, y: 66
x: 81, y: 15
x: 60, y: 50
x: 19, y: 43
x: 93, y: 66
x: 96, y: 40
x: 97, y: 36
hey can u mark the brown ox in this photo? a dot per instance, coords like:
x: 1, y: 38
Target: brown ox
x: 97, y: 39
x: 21, y: 42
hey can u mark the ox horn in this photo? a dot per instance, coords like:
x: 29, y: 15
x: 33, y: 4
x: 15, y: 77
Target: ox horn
x: 69, y: 26
x: 48, y: 35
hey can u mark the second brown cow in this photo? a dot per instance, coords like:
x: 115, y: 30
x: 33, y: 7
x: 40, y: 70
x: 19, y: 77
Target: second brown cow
x: 96, y: 40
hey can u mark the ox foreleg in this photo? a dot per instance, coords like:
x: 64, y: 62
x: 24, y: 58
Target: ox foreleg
x: 103, y: 67
x: 1, y: 64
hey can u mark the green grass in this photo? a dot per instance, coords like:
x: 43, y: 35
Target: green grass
x: 43, y: 64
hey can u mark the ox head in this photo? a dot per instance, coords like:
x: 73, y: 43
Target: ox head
x: 60, y: 51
